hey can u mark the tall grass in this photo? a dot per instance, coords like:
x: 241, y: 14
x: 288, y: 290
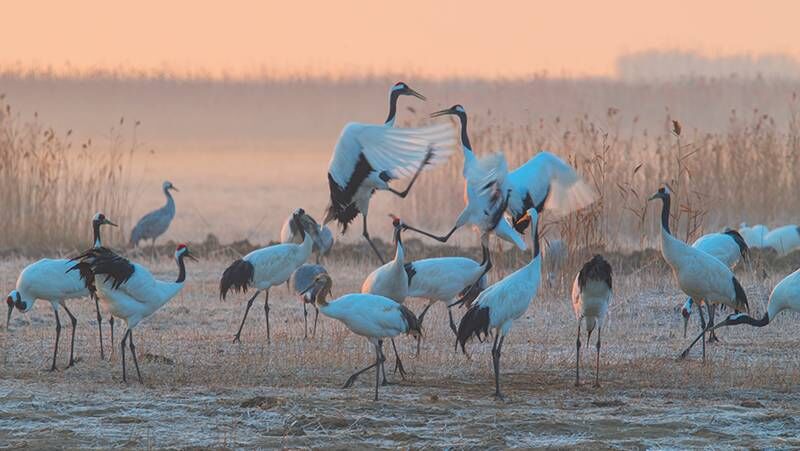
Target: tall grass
x: 746, y: 173
x: 50, y: 188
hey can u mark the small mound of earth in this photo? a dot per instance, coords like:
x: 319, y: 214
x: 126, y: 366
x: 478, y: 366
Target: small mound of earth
x: 752, y: 404
x: 155, y: 358
x: 262, y: 402
x: 608, y: 403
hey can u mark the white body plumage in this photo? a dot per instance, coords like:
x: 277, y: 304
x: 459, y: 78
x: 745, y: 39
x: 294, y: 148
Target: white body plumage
x: 783, y: 239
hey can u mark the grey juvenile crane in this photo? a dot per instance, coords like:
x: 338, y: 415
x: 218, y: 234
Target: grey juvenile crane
x: 154, y: 224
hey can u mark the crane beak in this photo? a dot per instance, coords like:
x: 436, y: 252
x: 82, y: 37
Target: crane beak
x: 110, y: 223
x: 190, y: 256
x: 174, y: 189
x: 442, y: 113
x: 415, y: 94
x: 526, y: 218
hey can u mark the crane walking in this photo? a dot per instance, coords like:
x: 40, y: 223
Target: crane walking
x: 154, y: 224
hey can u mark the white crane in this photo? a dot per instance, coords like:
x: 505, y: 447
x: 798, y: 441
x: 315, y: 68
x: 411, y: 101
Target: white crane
x: 446, y: 279
x: 785, y: 296
x: 729, y: 247
x: 754, y: 236
x: 498, y: 306
x: 289, y: 235
x: 154, y: 224
x: 301, y: 281
x: 545, y: 176
x: 367, y: 157
x: 267, y: 267
x: 371, y: 316
x: 391, y: 280
x: 130, y: 291
x: 698, y: 274
x: 48, y: 279
x: 783, y: 239
x: 591, y: 295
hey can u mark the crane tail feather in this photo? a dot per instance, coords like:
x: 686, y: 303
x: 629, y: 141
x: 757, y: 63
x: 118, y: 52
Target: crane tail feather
x: 237, y: 277
x: 475, y: 322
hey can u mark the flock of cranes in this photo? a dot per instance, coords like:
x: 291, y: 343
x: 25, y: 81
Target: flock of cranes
x: 368, y: 158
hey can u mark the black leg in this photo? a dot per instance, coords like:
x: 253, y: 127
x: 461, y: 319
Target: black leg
x: 425, y: 161
x: 452, y: 323
x: 597, y: 362
x: 266, y: 311
x: 578, y: 356
x: 305, y: 320
x: 122, y: 348
x: 58, y: 335
x: 712, y: 336
x: 383, y: 368
x: 496, y: 351
x: 100, y: 328
x: 379, y: 358
x: 442, y: 238
x: 685, y: 352
x: 316, y: 317
x: 111, y: 323
x: 421, y: 318
x: 74, y: 322
x: 355, y: 375
x: 398, y: 364
x: 133, y: 351
x: 365, y: 233
x: 249, y: 304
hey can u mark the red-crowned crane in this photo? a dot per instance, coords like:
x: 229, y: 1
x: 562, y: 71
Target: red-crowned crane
x: 446, y: 279
x: 267, y: 267
x: 729, y: 247
x: 130, y: 291
x: 545, y: 176
x: 701, y: 276
x: 367, y: 157
x: 48, y: 279
x: 591, y: 295
x: 289, y: 234
x: 502, y: 303
x: 391, y: 281
x: 783, y: 239
x: 374, y: 317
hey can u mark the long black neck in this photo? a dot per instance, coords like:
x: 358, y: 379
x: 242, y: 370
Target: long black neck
x: 536, y: 240
x: 758, y: 322
x: 299, y: 228
x: 392, y: 107
x: 181, y: 270
x: 665, y: 213
x: 398, y: 239
x: 96, y: 231
x: 464, y: 135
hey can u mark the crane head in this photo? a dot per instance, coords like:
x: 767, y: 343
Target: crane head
x: 456, y: 110
x: 101, y: 219
x: 167, y: 185
x: 182, y: 251
x: 662, y: 193
x: 396, y: 221
x: 402, y: 89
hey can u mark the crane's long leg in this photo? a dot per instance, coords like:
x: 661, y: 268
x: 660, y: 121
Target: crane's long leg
x: 111, y: 323
x: 379, y: 358
x: 597, y: 362
x: 425, y: 161
x: 421, y: 317
x: 316, y: 317
x: 712, y: 336
x: 58, y: 335
x: 266, y: 311
x: 122, y: 347
x: 249, y: 304
x: 133, y: 351
x: 496, y: 351
x: 398, y: 364
x: 442, y: 238
x: 365, y: 234
x: 355, y: 375
x: 100, y: 328
x: 452, y: 323
x: 702, y: 336
x: 578, y: 356
x: 305, y: 320
x: 74, y: 322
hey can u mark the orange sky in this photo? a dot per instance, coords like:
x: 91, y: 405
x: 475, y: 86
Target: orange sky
x: 435, y: 38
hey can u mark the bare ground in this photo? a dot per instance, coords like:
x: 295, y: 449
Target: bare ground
x: 201, y: 390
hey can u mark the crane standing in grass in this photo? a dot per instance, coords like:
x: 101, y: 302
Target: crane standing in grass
x: 367, y: 157
x: 129, y: 290
x: 372, y: 316
x: 591, y: 295
x: 498, y: 306
x: 154, y: 224
x: 698, y: 274
x: 267, y: 267
x: 301, y: 281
